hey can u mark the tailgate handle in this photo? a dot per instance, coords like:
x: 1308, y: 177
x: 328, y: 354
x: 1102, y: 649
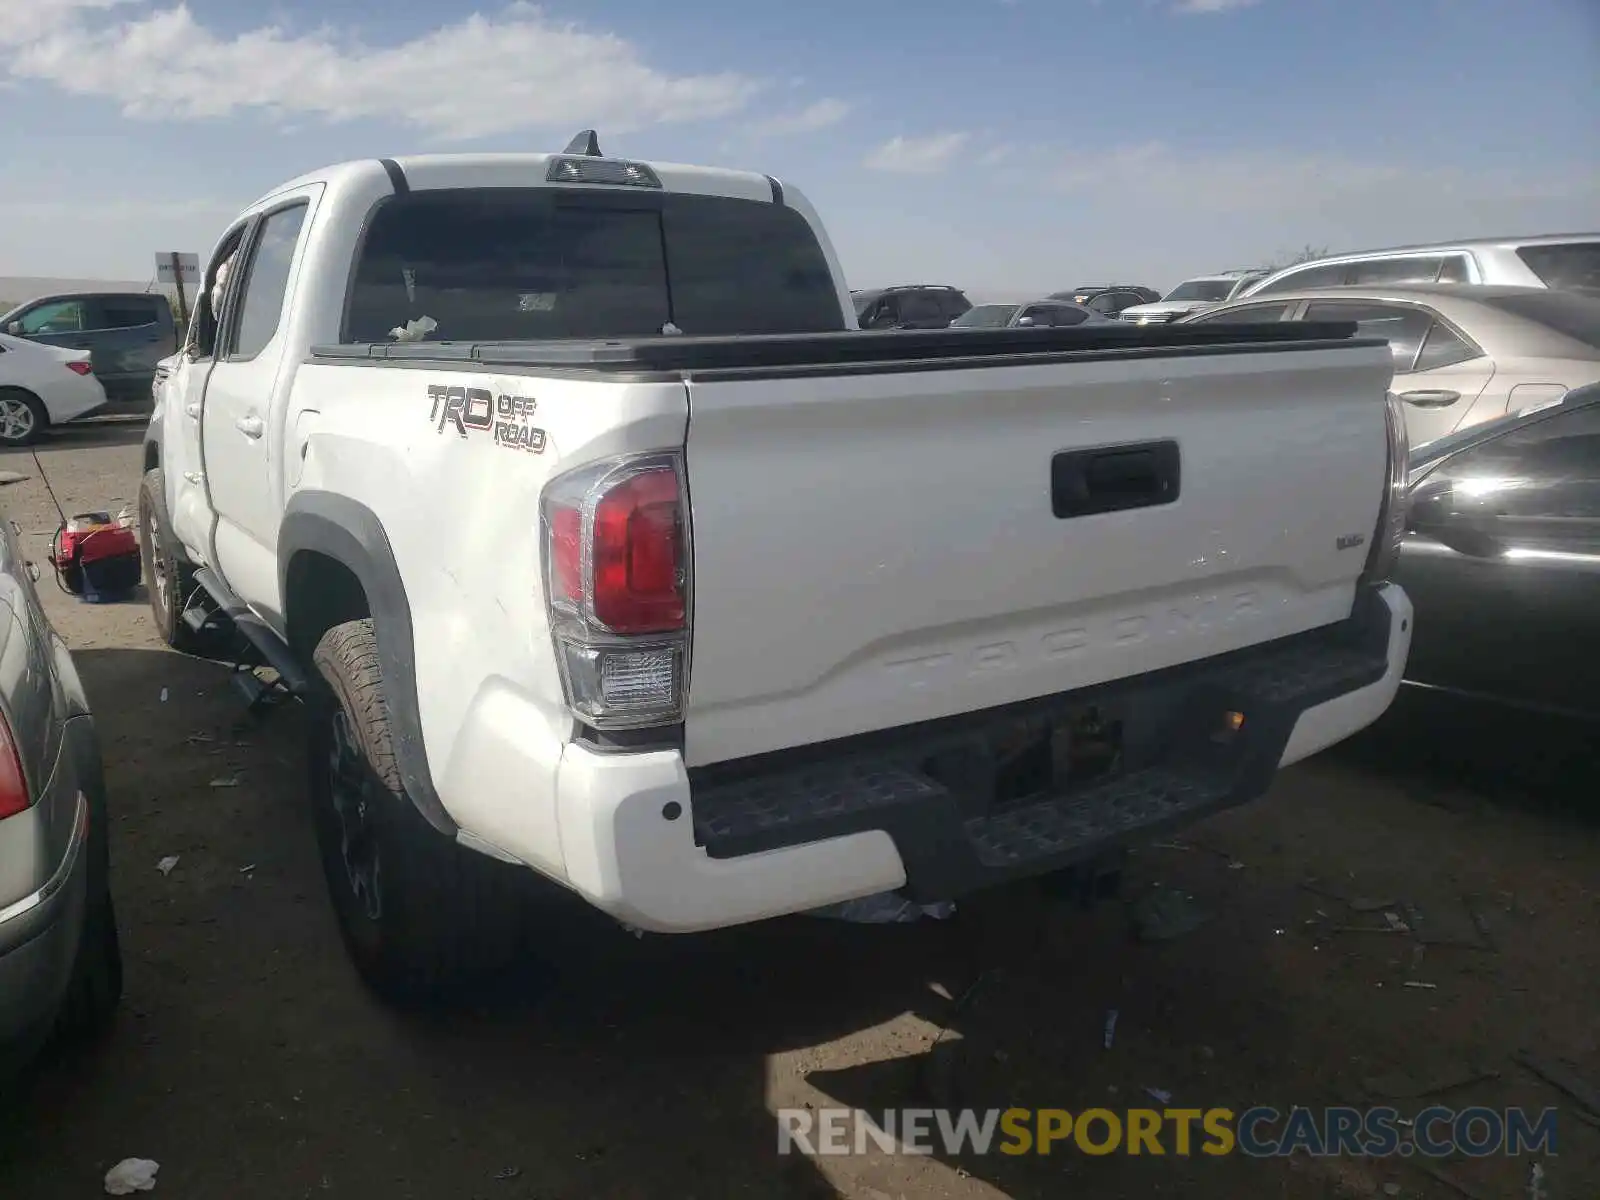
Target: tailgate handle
x: 1113, y: 478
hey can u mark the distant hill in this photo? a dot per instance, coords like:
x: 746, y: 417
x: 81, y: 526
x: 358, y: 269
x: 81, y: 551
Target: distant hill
x: 17, y: 289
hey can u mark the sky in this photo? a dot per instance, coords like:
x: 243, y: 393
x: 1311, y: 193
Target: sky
x: 1004, y: 146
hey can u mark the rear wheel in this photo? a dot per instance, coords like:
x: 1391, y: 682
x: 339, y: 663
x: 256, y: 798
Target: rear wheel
x: 22, y: 417
x: 168, y: 575
x: 420, y: 916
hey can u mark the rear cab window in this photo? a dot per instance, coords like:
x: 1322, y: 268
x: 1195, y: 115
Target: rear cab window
x: 1565, y: 264
x: 509, y: 264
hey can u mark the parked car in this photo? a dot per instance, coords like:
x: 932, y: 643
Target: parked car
x: 909, y: 306
x: 1189, y: 296
x: 1023, y: 313
x: 60, y: 966
x: 1502, y: 559
x: 42, y: 386
x: 938, y: 577
x: 1563, y: 261
x: 1109, y: 299
x: 1461, y: 355
x: 126, y: 333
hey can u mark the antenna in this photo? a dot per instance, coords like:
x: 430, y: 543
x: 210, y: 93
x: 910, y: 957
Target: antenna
x: 45, y: 479
x: 587, y: 143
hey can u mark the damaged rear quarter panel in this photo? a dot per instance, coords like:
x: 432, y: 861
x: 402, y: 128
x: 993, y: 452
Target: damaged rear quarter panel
x: 452, y: 462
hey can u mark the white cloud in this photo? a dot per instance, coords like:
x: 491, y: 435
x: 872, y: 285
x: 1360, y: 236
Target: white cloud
x: 917, y: 155
x: 813, y: 117
x: 478, y: 76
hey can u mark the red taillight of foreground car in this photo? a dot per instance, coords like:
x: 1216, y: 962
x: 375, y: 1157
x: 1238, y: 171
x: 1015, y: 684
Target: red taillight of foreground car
x: 617, y: 587
x: 81, y: 367
x: 13, y: 782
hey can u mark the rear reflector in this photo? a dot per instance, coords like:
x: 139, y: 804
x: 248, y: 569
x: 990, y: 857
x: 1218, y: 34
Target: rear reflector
x: 81, y: 367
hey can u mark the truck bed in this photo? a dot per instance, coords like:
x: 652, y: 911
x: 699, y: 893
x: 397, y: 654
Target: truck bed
x: 880, y: 350
x: 889, y: 528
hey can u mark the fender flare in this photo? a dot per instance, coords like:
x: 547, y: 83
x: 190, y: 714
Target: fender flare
x: 152, y: 441
x: 350, y: 533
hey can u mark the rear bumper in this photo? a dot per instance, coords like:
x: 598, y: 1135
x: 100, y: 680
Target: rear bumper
x: 670, y: 850
x: 40, y: 932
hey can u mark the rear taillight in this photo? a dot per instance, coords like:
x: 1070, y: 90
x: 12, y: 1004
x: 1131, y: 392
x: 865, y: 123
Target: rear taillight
x: 1392, y: 513
x: 13, y: 782
x: 81, y: 367
x: 616, y: 552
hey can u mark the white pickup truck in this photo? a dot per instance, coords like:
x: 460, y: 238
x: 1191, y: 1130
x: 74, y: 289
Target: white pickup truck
x: 600, y: 543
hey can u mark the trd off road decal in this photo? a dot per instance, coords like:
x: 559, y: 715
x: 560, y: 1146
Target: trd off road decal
x: 508, y: 418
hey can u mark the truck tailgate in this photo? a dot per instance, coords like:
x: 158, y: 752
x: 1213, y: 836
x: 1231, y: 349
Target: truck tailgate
x: 875, y: 548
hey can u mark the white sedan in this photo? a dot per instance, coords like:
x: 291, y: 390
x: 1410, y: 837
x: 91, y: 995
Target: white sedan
x: 41, y: 386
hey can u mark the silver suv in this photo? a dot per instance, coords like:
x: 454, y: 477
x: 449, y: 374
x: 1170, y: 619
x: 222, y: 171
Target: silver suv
x: 1563, y: 261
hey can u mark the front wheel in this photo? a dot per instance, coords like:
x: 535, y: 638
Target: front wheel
x: 420, y: 916
x: 168, y: 576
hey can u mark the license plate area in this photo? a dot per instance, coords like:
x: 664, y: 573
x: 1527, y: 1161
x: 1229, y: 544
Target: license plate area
x: 1027, y: 759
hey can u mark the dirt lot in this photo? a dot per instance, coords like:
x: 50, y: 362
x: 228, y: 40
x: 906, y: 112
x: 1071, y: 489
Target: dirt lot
x: 249, y: 1062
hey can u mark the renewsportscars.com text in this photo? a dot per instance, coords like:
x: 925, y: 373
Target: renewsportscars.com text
x: 1259, y: 1132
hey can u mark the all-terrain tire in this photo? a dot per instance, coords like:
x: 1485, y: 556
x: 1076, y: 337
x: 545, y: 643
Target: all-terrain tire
x: 431, y: 918
x: 168, y: 575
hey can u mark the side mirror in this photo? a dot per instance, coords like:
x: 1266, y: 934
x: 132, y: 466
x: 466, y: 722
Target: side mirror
x: 14, y: 329
x: 1025, y: 322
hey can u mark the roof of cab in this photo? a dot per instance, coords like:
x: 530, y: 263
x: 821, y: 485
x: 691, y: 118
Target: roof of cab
x: 424, y: 172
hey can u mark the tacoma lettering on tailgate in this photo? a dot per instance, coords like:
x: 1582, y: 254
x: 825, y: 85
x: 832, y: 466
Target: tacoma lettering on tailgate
x: 1127, y: 629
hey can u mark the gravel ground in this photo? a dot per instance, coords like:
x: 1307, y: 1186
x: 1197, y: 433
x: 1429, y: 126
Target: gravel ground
x: 249, y: 1062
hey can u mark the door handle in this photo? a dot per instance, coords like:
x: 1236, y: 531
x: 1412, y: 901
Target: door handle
x: 1439, y: 398
x: 192, y: 410
x: 250, y: 425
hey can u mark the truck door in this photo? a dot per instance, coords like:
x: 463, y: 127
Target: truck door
x: 183, y: 462
x: 241, y: 422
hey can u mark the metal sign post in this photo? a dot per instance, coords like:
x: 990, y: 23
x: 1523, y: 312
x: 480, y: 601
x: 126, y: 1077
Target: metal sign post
x: 178, y: 268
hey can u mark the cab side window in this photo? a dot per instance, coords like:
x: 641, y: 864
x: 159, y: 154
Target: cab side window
x: 266, y: 281
x: 205, y: 321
